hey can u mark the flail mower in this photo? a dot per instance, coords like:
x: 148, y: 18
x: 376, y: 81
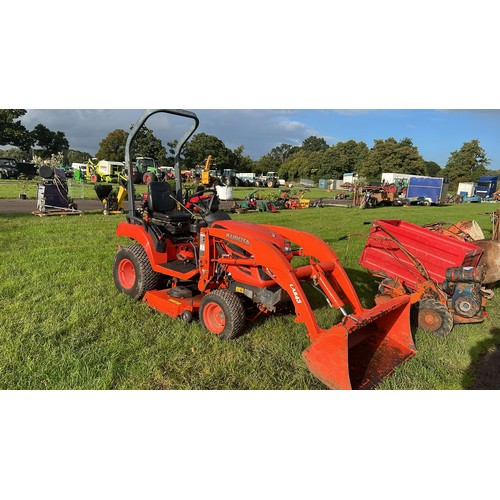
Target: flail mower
x: 190, y: 259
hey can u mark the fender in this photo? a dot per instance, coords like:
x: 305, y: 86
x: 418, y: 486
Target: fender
x: 137, y: 232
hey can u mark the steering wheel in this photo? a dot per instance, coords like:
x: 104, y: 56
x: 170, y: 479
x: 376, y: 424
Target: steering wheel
x: 201, y: 201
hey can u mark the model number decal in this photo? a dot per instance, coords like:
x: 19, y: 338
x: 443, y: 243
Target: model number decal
x: 296, y: 295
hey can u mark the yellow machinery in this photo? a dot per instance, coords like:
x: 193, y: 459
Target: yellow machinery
x: 113, y: 201
x: 207, y: 178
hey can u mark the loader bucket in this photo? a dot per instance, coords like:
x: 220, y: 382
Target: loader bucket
x: 359, y: 354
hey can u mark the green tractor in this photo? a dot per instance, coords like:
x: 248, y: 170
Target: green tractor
x: 146, y: 171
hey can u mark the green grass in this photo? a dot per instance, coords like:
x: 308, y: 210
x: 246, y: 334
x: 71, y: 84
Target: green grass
x: 10, y: 188
x: 63, y: 325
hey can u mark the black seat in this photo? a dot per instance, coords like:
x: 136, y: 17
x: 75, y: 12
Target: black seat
x: 162, y: 204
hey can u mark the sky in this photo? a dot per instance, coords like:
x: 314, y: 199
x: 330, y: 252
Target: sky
x: 436, y: 132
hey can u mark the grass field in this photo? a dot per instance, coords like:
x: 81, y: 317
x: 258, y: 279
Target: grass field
x: 63, y: 325
x: 10, y: 188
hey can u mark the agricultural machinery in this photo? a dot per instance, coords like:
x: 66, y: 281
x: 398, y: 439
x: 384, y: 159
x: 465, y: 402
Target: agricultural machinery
x: 112, y: 199
x: 187, y: 259
x: 443, y: 275
x: 103, y: 171
x: 145, y: 170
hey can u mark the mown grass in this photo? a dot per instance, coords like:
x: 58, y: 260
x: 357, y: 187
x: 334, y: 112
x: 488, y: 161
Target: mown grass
x: 63, y: 325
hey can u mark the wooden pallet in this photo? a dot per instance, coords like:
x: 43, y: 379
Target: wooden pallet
x: 57, y: 212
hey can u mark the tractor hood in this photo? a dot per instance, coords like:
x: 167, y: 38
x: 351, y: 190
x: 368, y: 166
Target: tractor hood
x: 238, y: 231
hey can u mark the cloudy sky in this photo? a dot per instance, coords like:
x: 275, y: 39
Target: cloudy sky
x: 435, y: 132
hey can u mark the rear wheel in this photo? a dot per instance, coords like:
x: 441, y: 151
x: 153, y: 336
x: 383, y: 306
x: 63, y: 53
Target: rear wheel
x: 133, y: 273
x: 434, y: 317
x: 222, y: 313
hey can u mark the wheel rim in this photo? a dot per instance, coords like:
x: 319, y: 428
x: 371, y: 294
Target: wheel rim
x: 126, y: 273
x: 430, y: 320
x: 214, y: 318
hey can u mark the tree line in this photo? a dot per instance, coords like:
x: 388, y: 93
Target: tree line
x: 313, y: 159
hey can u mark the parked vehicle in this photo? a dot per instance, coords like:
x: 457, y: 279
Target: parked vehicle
x: 426, y: 191
x: 246, y: 178
x: 105, y: 171
x: 145, y: 170
x: 269, y: 180
x: 486, y: 186
x: 206, y: 173
x: 8, y: 168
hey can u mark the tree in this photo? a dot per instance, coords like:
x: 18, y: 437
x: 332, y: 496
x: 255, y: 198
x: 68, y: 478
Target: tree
x: 51, y: 143
x: 146, y: 144
x: 112, y: 147
x: 15, y: 153
x: 314, y: 143
x: 347, y: 157
x: 202, y: 145
x: 432, y: 168
x: 272, y: 161
x: 12, y: 131
x: 390, y: 155
x: 75, y: 156
x: 330, y: 162
x: 243, y: 162
x: 466, y: 164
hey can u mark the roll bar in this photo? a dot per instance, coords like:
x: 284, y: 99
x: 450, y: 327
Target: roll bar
x: 132, y: 212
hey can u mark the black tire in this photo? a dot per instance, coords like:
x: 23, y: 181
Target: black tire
x: 256, y: 184
x: 133, y: 273
x: 434, y: 317
x: 223, y: 314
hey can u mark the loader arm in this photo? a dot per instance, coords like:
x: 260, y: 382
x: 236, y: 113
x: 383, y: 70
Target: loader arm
x: 314, y: 246
x: 324, y: 270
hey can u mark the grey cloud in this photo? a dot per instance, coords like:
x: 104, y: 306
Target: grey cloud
x: 258, y: 130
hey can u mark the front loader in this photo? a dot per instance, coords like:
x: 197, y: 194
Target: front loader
x: 189, y: 259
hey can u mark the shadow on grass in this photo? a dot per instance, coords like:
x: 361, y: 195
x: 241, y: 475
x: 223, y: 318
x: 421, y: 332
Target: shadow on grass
x: 484, y: 372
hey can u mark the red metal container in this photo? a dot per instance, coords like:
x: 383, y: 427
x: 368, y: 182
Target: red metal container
x: 392, y: 244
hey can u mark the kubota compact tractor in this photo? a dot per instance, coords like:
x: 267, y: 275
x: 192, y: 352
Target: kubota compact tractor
x: 188, y: 258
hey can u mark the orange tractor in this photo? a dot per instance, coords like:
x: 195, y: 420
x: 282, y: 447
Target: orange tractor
x: 190, y: 259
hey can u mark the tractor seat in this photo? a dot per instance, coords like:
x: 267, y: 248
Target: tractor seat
x: 163, y: 208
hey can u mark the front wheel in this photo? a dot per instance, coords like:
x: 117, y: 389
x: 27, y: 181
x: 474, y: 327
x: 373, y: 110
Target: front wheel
x: 434, y: 317
x: 222, y: 313
x: 133, y: 273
